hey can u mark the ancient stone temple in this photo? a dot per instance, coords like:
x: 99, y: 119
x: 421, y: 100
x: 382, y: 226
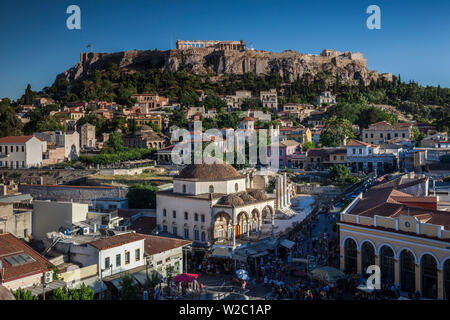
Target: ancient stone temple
x: 215, y: 44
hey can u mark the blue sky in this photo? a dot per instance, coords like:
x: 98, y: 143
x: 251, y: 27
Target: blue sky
x: 413, y: 41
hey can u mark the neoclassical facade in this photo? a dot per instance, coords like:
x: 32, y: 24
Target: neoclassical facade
x: 214, y: 203
x: 402, y: 234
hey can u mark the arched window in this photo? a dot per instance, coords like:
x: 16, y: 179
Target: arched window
x: 203, y: 236
x: 164, y: 213
x: 387, y: 266
x: 184, y: 188
x: 211, y: 189
x: 407, y: 271
x: 367, y: 256
x: 350, y: 256
x: 447, y: 279
x: 429, y: 276
x: 236, y: 186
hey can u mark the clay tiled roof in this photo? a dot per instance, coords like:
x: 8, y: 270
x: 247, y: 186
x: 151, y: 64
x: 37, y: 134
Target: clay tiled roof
x: 248, y: 119
x: 144, y: 225
x: 357, y: 143
x: 15, y: 139
x: 116, y: 241
x: 214, y: 171
x: 11, y: 246
x: 388, y: 202
x: 155, y: 244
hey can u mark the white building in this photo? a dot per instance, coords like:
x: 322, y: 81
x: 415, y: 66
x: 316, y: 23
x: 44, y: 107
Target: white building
x: 212, y: 202
x: 112, y: 254
x: 163, y: 252
x: 50, y: 216
x: 269, y: 99
x: 69, y: 141
x: 326, y: 97
x: 21, y: 151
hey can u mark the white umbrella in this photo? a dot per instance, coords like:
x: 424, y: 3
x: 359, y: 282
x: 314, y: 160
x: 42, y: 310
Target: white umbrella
x: 242, y: 274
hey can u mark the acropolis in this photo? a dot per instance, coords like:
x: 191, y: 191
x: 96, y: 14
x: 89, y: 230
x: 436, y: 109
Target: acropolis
x: 216, y: 44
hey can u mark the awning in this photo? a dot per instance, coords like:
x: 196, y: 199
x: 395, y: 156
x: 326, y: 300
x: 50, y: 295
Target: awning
x: 221, y: 252
x: 260, y: 254
x: 287, y: 243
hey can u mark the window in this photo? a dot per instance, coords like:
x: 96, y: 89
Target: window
x: 236, y: 187
x: 367, y: 135
x: 186, y: 233
x: 107, y: 263
x: 23, y: 164
x: 127, y: 257
x: 23, y: 148
x: 354, y: 150
x: 118, y: 260
x: 202, y: 218
x: 164, y: 213
x: 174, y: 214
x: 175, y: 231
x: 137, y: 254
x: 196, y: 235
x: 381, y: 135
x: 12, y: 149
x: 403, y: 135
x: 1, y: 148
x: 195, y: 216
x: 164, y: 228
x: 396, y: 135
x: 203, y: 236
x: 186, y: 215
x: 25, y: 233
x: 184, y: 188
x: 211, y: 189
x: 371, y: 135
x: 17, y: 148
x: 360, y: 151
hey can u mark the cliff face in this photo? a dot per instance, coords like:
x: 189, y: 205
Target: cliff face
x: 351, y: 67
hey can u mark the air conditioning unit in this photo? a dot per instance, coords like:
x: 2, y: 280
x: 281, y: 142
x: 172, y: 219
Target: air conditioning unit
x: 85, y: 230
x: 48, y: 277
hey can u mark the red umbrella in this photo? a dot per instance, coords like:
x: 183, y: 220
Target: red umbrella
x: 185, y: 277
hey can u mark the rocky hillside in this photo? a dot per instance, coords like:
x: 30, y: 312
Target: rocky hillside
x: 351, y: 67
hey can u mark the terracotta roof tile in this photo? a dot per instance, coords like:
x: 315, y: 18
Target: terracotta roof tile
x: 116, y: 241
x: 10, y: 246
x: 156, y: 244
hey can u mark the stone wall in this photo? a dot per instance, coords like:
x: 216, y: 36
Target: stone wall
x: 80, y: 194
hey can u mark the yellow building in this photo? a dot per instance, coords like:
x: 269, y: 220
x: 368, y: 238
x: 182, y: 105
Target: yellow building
x: 402, y: 234
x: 383, y: 131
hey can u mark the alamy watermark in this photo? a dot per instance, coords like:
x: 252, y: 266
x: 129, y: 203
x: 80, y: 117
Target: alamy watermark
x: 73, y: 22
x: 374, y: 20
x: 374, y: 280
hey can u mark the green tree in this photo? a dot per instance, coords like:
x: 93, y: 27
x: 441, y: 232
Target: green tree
x: 10, y: 125
x: 29, y: 95
x: 128, y: 289
x: 22, y: 294
x: 114, y: 143
x: 417, y: 136
x: 337, y: 130
x: 152, y: 281
x: 142, y: 196
x: 339, y: 173
x: 308, y: 145
x: 82, y: 293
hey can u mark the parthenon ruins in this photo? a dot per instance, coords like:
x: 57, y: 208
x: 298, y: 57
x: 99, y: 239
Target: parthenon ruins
x: 219, y: 45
